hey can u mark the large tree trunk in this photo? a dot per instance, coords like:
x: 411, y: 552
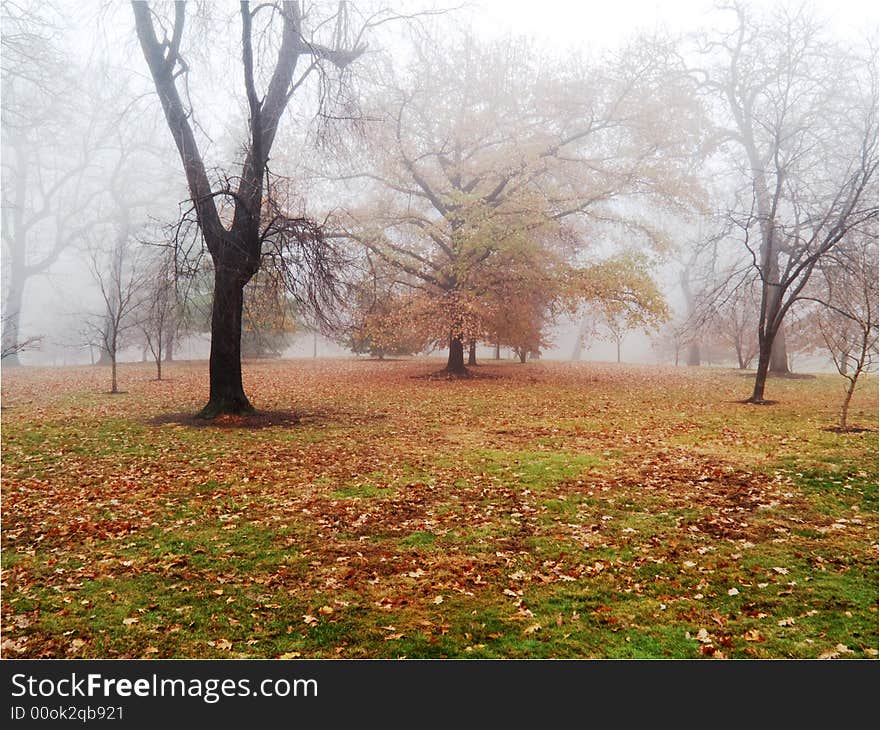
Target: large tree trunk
x: 169, y: 349
x: 693, y: 354
x: 497, y: 351
x: 235, y: 248
x: 226, y: 393
x: 472, y: 353
x: 779, y: 355
x: 12, y: 319
x: 455, y: 363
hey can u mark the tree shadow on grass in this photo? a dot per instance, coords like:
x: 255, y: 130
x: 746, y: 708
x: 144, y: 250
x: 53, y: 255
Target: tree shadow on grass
x: 779, y: 376
x: 457, y: 375
x: 848, y: 429
x: 269, y: 419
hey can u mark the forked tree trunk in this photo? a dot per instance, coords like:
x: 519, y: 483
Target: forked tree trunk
x: 12, y: 311
x: 472, y: 353
x: 455, y: 363
x: 226, y: 391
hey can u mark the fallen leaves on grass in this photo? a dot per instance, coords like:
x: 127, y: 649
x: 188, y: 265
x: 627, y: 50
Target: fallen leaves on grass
x: 478, y: 506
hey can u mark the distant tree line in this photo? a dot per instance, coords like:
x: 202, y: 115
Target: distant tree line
x: 449, y: 192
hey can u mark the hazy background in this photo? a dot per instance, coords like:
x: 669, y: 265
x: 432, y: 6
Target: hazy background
x: 56, y: 302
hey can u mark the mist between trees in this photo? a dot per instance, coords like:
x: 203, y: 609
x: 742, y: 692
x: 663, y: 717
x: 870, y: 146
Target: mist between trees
x: 393, y: 182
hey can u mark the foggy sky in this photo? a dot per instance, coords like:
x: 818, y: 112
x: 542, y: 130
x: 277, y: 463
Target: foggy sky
x: 53, y: 302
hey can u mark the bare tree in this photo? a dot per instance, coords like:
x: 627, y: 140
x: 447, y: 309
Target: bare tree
x: 848, y: 318
x: 119, y: 274
x: 671, y: 339
x: 236, y: 243
x: 14, y: 346
x: 69, y: 158
x: 802, y: 134
x: 734, y: 323
x: 158, y: 318
x: 47, y: 144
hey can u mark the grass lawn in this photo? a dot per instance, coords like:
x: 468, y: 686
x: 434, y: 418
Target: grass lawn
x: 538, y: 510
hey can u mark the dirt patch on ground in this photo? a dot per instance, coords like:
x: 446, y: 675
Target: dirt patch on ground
x: 472, y: 374
x: 730, y: 500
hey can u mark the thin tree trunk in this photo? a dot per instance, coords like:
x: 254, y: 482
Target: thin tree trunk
x: 455, y: 363
x: 761, y: 374
x: 227, y: 393
x: 472, y: 353
x: 739, y: 355
x: 844, y: 409
x: 618, y: 351
x: 113, y: 384
x: 580, y: 339
x: 693, y: 354
x: 169, y: 349
x: 497, y: 351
